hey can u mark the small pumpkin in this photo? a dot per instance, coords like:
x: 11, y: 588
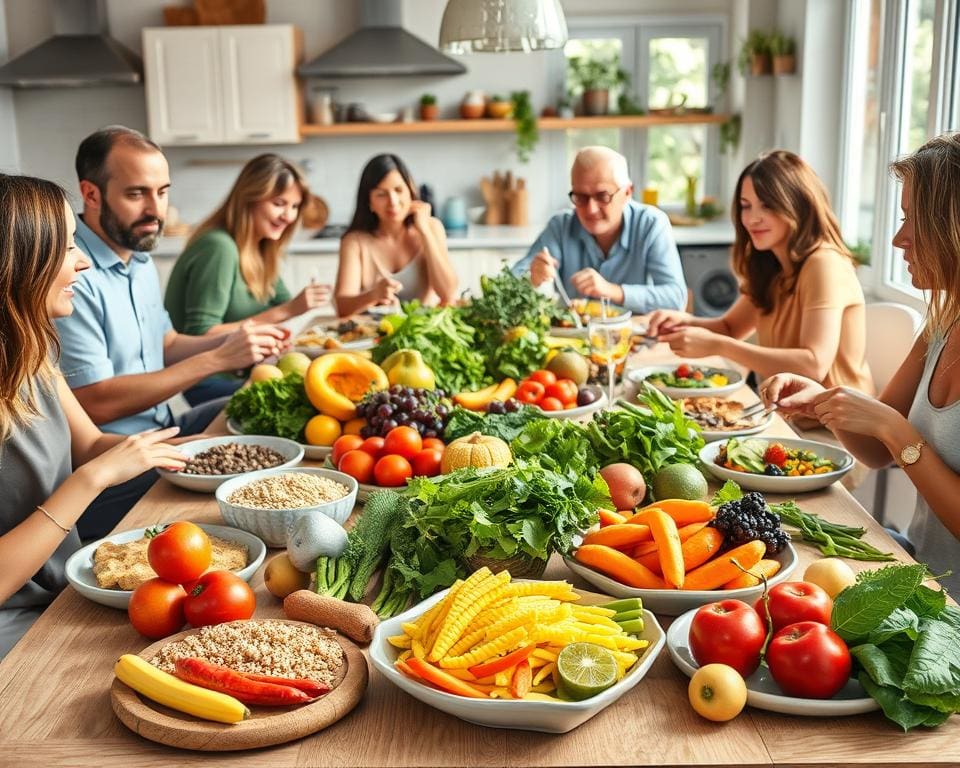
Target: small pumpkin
x: 336, y: 382
x: 475, y: 450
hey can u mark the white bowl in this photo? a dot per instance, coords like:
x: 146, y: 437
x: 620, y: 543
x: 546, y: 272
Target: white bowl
x: 272, y: 525
x: 762, y: 690
x: 312, y: 452
x: 384, y: 117
x: 581, y: 410
x: 546, y: 716
x: 781, y: 484
x: 291, y: 451
x: 673, y: 602
x: 79, y: 566
x: 635, y: 377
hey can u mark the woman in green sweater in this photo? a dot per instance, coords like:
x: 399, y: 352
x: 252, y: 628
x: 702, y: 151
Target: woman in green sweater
x: 230, y: 270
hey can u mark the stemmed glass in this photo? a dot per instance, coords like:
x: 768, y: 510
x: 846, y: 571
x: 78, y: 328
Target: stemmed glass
x: 610, y: 342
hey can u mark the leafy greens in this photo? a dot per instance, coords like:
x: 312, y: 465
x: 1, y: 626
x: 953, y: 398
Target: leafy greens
x: 273, y: 407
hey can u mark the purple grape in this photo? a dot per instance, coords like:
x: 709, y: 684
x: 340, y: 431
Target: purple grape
x: 401, y: 418
x: 385, y: 411
x: 496, y: 406
x: 366, y: 431
x: 512, y: 405
x: 430, y: 433
x: 388, y: 425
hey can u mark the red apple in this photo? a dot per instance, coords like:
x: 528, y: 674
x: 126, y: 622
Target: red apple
x: 627, y: 486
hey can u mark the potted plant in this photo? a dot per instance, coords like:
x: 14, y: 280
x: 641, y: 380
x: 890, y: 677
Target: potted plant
x: 720, y: 77
x: 525, y: 123
x: 498, y: 107
x: 428, y: 107
x: 595, y: 78
x: 755, y: 54
x: 730, y: 134
x: 784, y: 51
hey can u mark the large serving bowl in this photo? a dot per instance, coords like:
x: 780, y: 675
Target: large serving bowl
x: 273, y: 525
x: 546, y: 716
x: 633, y: 381
x: 291, y: 451
x: 312, y: 452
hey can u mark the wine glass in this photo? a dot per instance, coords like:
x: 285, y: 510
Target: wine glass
x: 610, y: 342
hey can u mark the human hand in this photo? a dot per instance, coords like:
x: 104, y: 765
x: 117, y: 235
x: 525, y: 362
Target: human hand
x: 248, y: 345
x: 134, y: 455
x: 690, y: 341
x: 385, y: 291
x: 421, y: 213
x: 793, y: 394
x: 311, y: 297
x: 589, y: 282
x: 666, y: 321
x: 543, y: 268
x: 849, y: 410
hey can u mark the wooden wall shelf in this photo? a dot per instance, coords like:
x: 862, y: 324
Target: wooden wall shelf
x: 504, y: 126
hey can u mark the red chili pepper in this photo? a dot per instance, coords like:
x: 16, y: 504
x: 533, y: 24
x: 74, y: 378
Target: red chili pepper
x: 225, y: 680
x: 312, y: 688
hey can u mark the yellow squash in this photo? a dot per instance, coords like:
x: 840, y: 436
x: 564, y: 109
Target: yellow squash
x: 475, y: 450
x: 335, y: 383
x: 407, y: 368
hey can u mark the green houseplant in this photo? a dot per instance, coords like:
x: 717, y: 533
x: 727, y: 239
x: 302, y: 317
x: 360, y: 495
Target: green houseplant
x: 525, y: 122
x: 784, y: 51
x: 595, y: 77
x: 755, y: 54
x: 428, y: 107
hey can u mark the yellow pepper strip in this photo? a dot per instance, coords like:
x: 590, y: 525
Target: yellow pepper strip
x: 405, y: 655
x: 537, y: 696
x: 500, y: 693
x: 625, y: 659
x: 544, y: 687
x: 545, y: 654
x: 502, y: 679
x: 597, y: 629
x: 400, y: 641
x: 418, y: 650
x: 605, y: 641
x: 544, y: 671
x: 463, y: 674
x: 502, y: 644
x: 536, y: 663
x: 593, y: 610
x: 628, y: 643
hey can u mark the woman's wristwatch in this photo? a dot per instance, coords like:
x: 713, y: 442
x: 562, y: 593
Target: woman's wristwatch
x: 910, y: 454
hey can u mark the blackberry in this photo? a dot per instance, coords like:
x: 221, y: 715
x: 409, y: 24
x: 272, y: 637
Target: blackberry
x: 750, y: 518
x: 772, y: 469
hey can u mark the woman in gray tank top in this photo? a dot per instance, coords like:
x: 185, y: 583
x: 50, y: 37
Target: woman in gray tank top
x: 393, y: 250
x: 44, y: 432
x: 916, y: 420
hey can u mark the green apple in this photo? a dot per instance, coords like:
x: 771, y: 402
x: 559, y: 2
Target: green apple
x: 294, y: 362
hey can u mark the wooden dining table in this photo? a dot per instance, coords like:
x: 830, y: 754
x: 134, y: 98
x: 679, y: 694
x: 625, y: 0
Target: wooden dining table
x: 55, y: 684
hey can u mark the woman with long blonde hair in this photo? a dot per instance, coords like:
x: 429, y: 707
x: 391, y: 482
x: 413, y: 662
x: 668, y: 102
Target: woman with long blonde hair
x: 800, y: 292
x: 53, y: 460
x: 230, y: 270
x: 916, y: 419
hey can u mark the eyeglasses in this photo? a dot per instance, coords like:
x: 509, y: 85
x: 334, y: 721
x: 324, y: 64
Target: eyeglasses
x: 580, y: 199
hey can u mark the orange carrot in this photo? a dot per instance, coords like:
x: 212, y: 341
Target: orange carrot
x: 403, y: 667
x: 696, y: 550
x: 717, y: 572
x: 522, y: 680
x: 765, y: 568
x: 646, y: 547
x: 619, y: 535
x: 503, y: 662
x: 608, y: 517
x: 618, y: 566
x: 686, y: 531
x: 442, y: 680
x: 682, y: 511
x: 669, y: 548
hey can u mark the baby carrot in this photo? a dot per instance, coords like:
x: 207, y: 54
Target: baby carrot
x: 618, y: 535
x: 717, y: 572
x: 683, y: 511
x: 765, y: 568
x: 618, y: 566
x: 669, y: 547
x: 608, y: 517
x: 696, y: 550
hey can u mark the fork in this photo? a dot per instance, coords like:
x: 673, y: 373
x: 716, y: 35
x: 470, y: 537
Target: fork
x: 565, y: 298
x: 758, y: 409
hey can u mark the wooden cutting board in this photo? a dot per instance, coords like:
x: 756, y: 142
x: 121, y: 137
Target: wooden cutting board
x: 267, y: 725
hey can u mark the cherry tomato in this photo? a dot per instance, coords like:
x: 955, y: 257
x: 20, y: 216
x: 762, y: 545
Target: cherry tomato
x: 358, y: 464
x: 530, y: 392
x: 433, y: 444
x: 156, y: 608
x: 683, y: 371
x: 793, y: 601
x: 179, y: 552
x: 550, y: 404
x: 373, y: 446
x: 727, y: 632
x: 717, y: 692
x: 809, y: 660
x: 216, y: 597
x: 392, y: 470
x: 565, y: 390
x: 427, y: 463
x: 543, y: 376
x: 403, y: 441
x: 343, y: 444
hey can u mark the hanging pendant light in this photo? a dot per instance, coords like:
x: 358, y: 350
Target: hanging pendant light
x: 495, y: 26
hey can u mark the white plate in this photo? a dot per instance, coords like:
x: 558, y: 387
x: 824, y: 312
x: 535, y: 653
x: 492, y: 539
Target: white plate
x: 583, y: 410
x: 781, y: 484
x: 546, y: 716
x: 565, y: 332
x: 710, y: 435
x: 348, y: 346
x: 312, y: 452
x: 382, y: 310
x: 734, y: 377
x: 79, y: 566
x: 763, y: 692
x: 673, y: 602
x: 292, y: 451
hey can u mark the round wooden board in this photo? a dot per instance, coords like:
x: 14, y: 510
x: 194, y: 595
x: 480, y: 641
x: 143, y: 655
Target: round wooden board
x: 267, y: 725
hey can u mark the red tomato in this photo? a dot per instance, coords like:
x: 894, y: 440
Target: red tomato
x: 530, y: 392
x: 794, y: 601
x: 180, y: 552
x: 809, y: 660
x: 216, y: 597
x: 565, y: 390
x: 433, y: 444
x: 683, y: 371
x: 156, y: 608
x: 550, y: 404
x: 427, y: 463
x: 343, y: 444
x: 392, y: 470
x: 727, y: 632
x: 543, y: 376
x: 357, y: 464
x: 373, y: 446
x: 403, y: 441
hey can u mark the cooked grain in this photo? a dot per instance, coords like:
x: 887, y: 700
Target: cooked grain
x: 291, y: 490
x: 232, y: 459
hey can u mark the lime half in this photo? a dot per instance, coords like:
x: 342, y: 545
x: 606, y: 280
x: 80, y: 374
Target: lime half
x: 586, y: 669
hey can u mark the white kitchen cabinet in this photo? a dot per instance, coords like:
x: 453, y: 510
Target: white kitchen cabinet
x: 222, y: 85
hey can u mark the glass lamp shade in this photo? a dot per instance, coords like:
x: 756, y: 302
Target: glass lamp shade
x: 494, y: 26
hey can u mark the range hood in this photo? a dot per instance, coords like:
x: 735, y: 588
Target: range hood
x: 381, y: 47
x: 79, y: 54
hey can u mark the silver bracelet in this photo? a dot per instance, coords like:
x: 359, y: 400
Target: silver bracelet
x: 53, y: 519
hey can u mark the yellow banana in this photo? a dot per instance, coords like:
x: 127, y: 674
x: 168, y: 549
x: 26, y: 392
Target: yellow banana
x: 172, y: 692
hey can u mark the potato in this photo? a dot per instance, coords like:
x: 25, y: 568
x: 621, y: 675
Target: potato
x: 831, y: 574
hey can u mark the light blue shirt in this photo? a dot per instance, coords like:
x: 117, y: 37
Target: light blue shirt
x: 643, y: 261
x: 117, y: 326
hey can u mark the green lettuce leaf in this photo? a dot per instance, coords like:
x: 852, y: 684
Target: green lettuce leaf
x: 898, y: 708
x: 861, y: 608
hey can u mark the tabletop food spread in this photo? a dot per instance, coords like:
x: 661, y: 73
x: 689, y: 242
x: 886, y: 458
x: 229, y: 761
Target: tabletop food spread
x: 487, y: 571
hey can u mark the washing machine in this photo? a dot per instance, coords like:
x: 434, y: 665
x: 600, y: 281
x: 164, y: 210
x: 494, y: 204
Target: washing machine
x: 713, y: 286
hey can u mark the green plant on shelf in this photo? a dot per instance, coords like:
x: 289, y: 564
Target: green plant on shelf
x: 629, y: 105
x: 720, y: 77
x: 428, y: 100
x: 755, y: 54
x: 861, y: 251
x: 525, y: 123
x: 730, y: 134
x: 595, y: 74
x: 782, y: 45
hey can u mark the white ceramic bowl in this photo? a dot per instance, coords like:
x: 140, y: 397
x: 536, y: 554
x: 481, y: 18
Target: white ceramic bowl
x: 546, y: 716
x: 312, y: 452
x: 581, y: 410
x: 272, y: 525
x: 781, y: 484
x: 79, y: 566
x: 634, y: 377
x: 673, y: 602
x: 292, y: 453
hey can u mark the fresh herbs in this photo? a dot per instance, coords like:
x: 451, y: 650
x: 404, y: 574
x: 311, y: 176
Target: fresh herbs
x: 506, y: 426
x: 273, y: 407
x: 559, y: 444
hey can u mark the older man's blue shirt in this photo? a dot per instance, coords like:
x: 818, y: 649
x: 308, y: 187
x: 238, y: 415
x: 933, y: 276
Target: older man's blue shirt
x: 643, y: 261
x: 117, y: 326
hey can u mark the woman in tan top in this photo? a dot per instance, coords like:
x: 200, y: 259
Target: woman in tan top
x: 394, y: 250
x: 800, y: 291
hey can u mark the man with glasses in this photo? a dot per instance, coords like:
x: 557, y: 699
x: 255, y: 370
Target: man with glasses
x: 609, y: 246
